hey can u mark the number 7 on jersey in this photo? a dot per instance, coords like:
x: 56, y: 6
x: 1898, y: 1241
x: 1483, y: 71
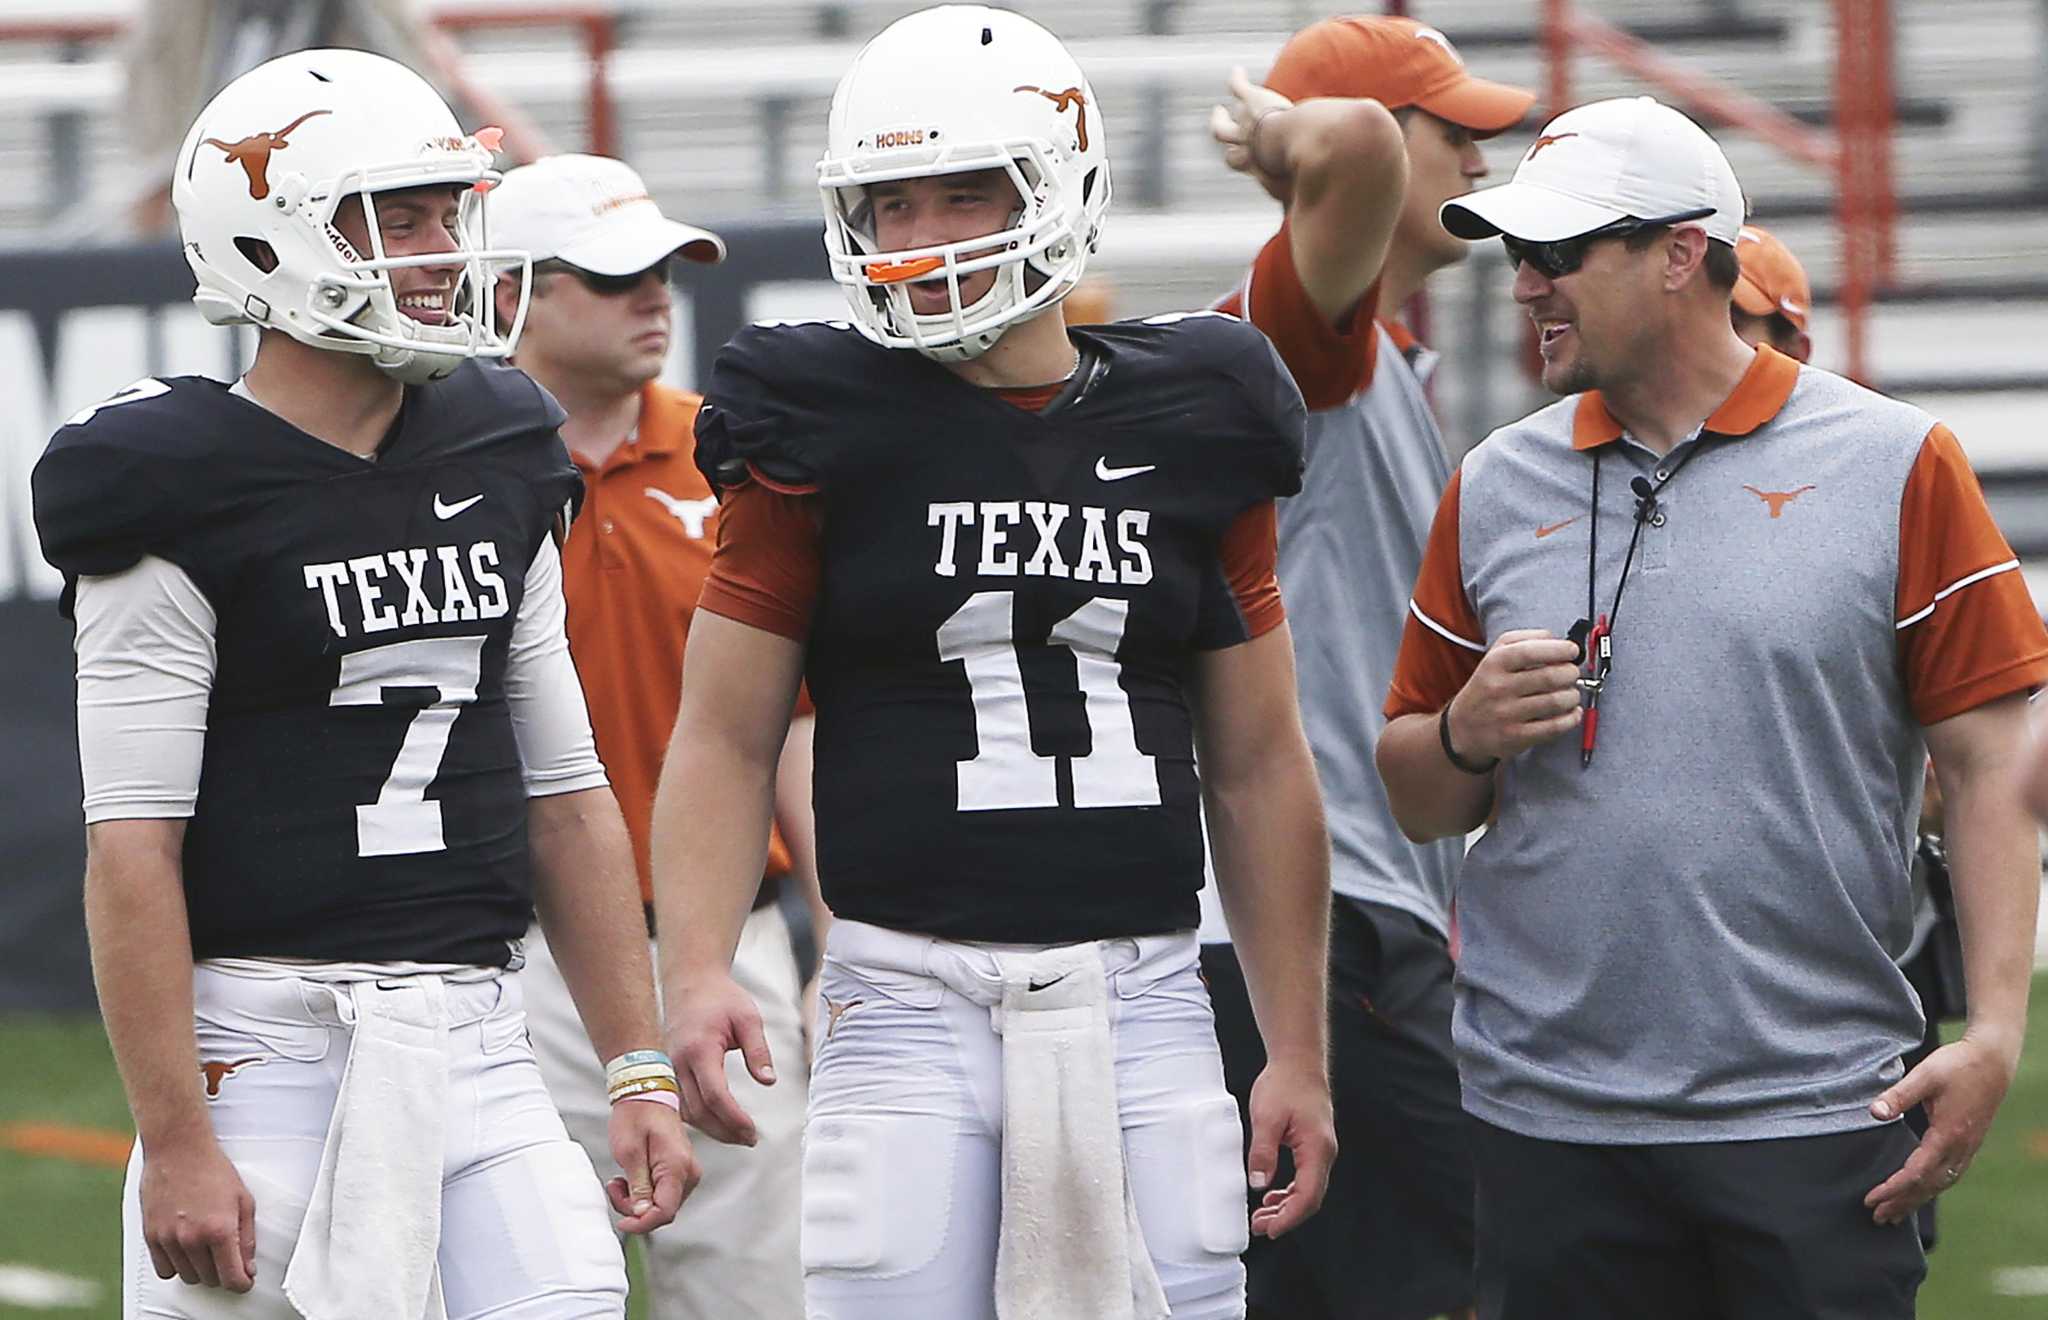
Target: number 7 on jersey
x: 402, y: 820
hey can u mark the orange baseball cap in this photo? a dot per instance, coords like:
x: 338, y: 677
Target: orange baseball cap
x: 1398, y: 62
x: 1772, y: 279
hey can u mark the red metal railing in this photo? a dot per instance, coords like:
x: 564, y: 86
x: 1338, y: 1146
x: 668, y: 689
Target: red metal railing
x: 599, y: 30
x: 1857, y: 153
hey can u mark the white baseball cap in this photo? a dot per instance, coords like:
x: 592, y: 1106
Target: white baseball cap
x: 1629, y: 158
x: 592, y: 212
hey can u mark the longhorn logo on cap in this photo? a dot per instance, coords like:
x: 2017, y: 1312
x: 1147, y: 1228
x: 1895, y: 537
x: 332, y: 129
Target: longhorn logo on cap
x: 1431, y: 34
x: 1548, y: 139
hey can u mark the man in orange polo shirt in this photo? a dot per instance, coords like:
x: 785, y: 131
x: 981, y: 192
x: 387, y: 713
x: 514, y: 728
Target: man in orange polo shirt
x: 596, y: 336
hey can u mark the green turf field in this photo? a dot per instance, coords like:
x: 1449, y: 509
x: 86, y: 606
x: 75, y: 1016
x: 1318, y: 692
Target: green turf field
x: 60, y: 1216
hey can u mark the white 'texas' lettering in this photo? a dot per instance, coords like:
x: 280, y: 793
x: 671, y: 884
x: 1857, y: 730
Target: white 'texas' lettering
x: 1060, y: 548
x: 466, y: 588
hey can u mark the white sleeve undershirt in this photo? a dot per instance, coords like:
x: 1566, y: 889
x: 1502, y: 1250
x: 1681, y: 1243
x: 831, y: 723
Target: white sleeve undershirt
x: 146, y: 663
x: 549, y: 717
x: 145, y: 676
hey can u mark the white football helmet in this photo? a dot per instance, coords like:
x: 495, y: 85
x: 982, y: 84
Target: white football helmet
x: 273, y: 157
x: 948, y: 90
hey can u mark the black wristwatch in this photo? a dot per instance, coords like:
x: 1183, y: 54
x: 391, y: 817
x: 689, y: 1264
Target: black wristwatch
x: 1443, y: 734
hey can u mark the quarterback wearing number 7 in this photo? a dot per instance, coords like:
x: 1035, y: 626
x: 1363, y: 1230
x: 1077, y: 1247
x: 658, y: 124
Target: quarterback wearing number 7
x: 335, y: 754
x: 1027, y: 571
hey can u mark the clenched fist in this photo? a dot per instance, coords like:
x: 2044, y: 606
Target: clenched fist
x: 1524, y: 692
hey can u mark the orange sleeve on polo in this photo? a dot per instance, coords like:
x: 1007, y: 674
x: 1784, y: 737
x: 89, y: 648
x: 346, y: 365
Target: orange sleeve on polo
x: 766, y: 570
x: 1250, y: 555
x: 1968, y: 628
x: 1329, y: 363
x: 1443, y: 641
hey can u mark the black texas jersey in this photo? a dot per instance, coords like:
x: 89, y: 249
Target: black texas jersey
x: 361, y: 796
x: 1010, y: 603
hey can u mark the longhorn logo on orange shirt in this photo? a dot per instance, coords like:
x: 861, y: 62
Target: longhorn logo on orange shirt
x: 252, y: 153
x: 1548, y: 139
x: 215, y: 1070
x: 1777, y: 499
x: 1071, y: 99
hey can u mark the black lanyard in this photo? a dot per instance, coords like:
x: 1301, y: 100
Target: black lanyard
x: 1594, y: 634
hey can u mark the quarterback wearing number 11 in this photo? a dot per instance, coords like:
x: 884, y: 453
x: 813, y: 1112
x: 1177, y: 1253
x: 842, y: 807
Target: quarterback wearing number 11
x: 1027, y: 570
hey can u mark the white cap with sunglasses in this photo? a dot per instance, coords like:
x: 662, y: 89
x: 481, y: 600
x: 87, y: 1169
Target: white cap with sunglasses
x: 1632, y: 158
x: 592, y: 213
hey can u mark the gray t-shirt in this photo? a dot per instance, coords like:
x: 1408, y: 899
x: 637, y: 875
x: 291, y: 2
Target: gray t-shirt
x: 1350, y: 545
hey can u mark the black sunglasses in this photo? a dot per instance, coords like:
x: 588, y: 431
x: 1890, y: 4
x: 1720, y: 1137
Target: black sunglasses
x: 605, y: 286
x: 1561, y: 256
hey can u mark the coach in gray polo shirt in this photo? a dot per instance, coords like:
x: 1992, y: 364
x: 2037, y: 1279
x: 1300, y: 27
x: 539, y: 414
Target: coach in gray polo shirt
x: 1677, y: 997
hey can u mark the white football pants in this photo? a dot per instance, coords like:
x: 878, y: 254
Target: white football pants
x: 920, y: 1065
x: 525, y: 1232
x: 731, y: 1253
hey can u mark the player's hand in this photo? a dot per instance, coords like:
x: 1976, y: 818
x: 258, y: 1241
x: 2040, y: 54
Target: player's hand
x: 1961, y: 1084
x: 707, y: 1019
x: 660, y: 1169
x: 198, y: 1219
x: 1524, y: 692
x: 1231, y: 124
x: 1290, y: 1107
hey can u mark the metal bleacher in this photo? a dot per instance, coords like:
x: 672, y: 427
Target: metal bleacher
x: 721, y: 105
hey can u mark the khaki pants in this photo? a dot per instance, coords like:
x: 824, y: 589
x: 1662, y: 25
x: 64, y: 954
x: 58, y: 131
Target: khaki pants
x: 732, y: 1251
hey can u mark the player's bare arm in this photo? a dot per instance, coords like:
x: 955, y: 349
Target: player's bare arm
x: 2035, y: 770
x: 1265, y: 818
x: 1338, y: 166
x: 1995, y: 867
x: 1523, y: 693
x: 198, y: 1219
x: 586, y: 896
x: 711, y: 816
x: 798, y: 826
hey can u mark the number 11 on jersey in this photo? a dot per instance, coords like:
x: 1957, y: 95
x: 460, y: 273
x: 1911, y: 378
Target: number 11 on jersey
x: 1005, y: 773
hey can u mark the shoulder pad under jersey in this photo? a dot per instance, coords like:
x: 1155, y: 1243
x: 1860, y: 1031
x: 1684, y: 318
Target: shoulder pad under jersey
x: 130, y: 474
x: 782, y: 398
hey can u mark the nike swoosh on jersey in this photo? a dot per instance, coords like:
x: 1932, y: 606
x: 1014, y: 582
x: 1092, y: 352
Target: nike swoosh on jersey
x: 446, y: 511
x: 1104, y: 472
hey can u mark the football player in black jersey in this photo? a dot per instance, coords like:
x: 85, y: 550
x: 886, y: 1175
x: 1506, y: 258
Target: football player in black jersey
x: 1026, y: 572
x: 334, y: 751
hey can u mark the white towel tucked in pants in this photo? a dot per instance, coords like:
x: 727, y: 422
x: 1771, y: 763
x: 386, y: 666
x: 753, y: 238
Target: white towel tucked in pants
x: 366, y: 1249
x: 977, y: 1148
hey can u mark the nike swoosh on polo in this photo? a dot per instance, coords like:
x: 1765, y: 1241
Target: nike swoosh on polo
x: 1542, y: 532
x: 446, y: 511
x: 1104, y: 472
